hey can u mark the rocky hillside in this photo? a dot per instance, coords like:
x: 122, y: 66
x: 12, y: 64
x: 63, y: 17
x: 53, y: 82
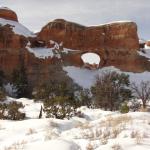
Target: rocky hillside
x: 116, y: 43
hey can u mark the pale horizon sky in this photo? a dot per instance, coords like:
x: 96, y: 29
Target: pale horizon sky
x: 34, y: 14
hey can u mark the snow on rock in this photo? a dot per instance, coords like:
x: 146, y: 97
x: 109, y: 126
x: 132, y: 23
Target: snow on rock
x: 114, y: 22
x: 86, y: 78
x: 145, y: 52
x: 67, y: 50
x: 91, y: 58
x: 44, y: 52
x: 41, y: 52
x: 6, y: 8
x: 17, y: 27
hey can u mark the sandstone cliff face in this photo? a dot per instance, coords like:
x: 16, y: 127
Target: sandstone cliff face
x: 116, y: 43
x: 8, y: 14
x: 121, y: 35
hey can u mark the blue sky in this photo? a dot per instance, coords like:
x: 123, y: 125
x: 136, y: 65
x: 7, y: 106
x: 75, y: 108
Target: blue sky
x: 36, y: 13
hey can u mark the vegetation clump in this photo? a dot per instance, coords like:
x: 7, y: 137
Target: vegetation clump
x: 111, y: 90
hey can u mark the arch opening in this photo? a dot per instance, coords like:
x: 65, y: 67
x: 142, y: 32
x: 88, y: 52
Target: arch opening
x: 91, y: 60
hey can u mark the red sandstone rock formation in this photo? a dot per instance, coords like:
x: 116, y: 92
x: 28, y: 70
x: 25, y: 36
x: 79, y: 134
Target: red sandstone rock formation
x: 8, y: 14
x: 121, y: 36
x: 116, y: 43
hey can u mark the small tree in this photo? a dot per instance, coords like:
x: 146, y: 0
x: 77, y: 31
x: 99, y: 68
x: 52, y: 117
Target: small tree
x: 142, y: 91
x: 13, y: 111
x: 57, y: 84
x: 20, y: 81
x: 110, y: 90
x: 2, y: 95
x: 57, y: 93
x: 1, y: 78
x: 124, y: 108
x: 84, y: 97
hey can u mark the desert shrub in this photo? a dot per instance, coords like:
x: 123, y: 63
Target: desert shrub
x: 89, y: 147
x: 116, y: 147
x: 2, y: 95
x: 2, y: 76
x: 11, y: 111
x: 135, y: 105
x: 59, y: 107
x: 84, y: 97
x: 111, y: 90
x: 57, y: 84
x: 58, y: 93
x: 124, y: 108
x: 142, y: 91
x: 3, y: 108
x: 104, y: 140
x: 20, y: 145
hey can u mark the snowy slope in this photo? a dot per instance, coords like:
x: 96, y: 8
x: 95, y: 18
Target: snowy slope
x: 17, y: 27
x: 76, y: 133
x: 86, y: 78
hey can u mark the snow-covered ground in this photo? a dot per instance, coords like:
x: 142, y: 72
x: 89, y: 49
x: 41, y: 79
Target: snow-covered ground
x: 17, y: 27
x: 99, y: 129
x: 86, y: 78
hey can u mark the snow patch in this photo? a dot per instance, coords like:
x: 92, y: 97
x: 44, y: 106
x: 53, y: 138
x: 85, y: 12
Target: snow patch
x: 17, y: 27
x: 113, y: 22
x: 44, y: 52
x: 41, y: 52
x: 146, y: 52
x: 5, y: 8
